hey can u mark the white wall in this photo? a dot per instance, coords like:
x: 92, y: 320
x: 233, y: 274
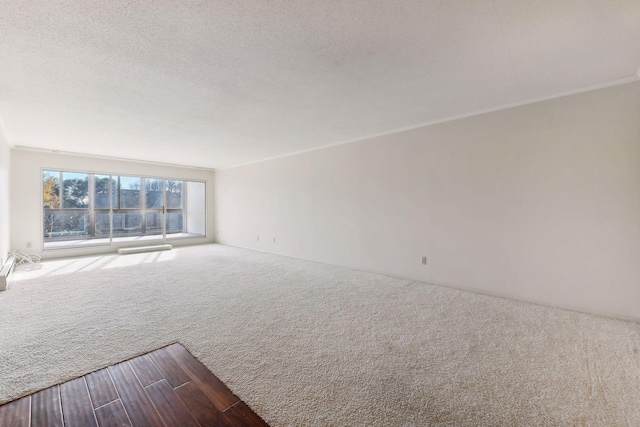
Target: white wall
x: 539, y: 203
x: 196, y: 209
x: 26, y: 194
x: 5, y: 167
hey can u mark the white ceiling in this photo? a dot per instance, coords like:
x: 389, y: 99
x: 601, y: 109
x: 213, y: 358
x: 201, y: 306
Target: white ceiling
x: 216, y: 83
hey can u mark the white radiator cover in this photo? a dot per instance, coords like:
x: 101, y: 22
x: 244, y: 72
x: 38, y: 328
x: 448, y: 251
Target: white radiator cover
x: 5, y: 271
x: 140, y: 249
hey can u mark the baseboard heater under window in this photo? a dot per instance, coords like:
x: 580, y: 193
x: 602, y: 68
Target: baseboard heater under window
x: 140, y: 249
x: 5, y: 271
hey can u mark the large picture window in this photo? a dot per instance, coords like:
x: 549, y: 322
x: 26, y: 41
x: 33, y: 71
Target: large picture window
x: 84, y: 208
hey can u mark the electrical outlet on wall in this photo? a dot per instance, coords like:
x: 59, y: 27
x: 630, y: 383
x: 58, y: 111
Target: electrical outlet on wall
x: 424, y: 260
x: 28, y: 245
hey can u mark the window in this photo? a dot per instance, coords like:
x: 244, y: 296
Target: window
x: 66, y: 204
x: 84, y: 208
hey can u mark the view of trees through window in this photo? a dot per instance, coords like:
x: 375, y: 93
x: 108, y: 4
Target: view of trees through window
x: 89, y: 206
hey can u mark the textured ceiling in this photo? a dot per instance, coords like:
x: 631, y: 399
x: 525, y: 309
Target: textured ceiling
x: 216, y: 83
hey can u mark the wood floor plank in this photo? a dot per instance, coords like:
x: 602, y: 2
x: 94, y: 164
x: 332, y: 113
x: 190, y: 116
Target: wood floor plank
x: 172, y: 372
x: 135, y: 400
x: 116, y: 397
x: 201, y: 407
x: 113, y: 415
x: 101, y: 388
x: 16, y: 413
x: 169, y: 405
x: 215, y: 389
x: 242, y: 415
x: 77, y: 408
x: 145, y: 370
x: 45, y: 408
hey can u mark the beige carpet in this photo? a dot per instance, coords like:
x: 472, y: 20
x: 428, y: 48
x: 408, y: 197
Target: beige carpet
x: 307, y: 344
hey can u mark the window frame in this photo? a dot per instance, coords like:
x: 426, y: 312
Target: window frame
x: 92, y: 211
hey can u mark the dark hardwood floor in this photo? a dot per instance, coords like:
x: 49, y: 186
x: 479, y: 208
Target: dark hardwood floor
x: 167, y: 387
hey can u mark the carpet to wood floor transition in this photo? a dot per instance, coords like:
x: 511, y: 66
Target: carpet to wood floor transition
x: 167, y: 387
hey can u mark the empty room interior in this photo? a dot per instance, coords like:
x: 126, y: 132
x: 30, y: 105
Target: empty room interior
x: 352, y: 213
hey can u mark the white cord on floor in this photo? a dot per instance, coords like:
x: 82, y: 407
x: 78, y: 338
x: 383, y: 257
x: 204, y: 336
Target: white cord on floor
x: 26, y: 261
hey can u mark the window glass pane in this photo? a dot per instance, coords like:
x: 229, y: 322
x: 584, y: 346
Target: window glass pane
x: 154, y: 223
x: 118, y: 223
x: 153, y: 188
x: 129, y: 192
x: 48, y: 225
x: 66, y: 225
x: 51, y: 189
x: 174, y: 194
x: 125, y: 224
x: 76, y: 190
x: 102, y: 192
x: 102, y: 225
x: 174, y: 223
